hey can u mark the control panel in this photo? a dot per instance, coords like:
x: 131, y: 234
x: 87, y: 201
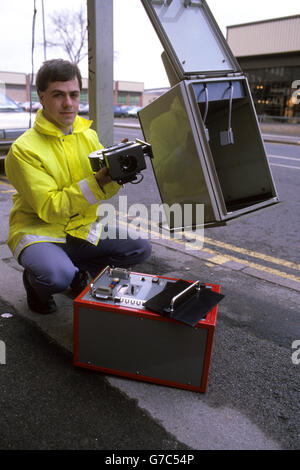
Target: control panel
x: 119, y: 286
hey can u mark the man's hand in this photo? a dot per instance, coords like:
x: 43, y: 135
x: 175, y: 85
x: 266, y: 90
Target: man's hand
x: 102, y: 176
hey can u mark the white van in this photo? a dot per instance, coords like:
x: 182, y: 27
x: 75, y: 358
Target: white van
x: 13, y: 122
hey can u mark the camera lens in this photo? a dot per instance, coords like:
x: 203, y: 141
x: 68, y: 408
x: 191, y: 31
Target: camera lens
x: 94, y: 161
x: 128, y: 163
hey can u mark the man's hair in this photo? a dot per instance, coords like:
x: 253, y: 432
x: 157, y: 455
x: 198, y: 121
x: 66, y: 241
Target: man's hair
x: 57, y: 70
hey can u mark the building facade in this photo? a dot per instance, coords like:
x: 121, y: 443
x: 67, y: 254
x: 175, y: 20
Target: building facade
x: 18, y: 86
x: 269, y: 55
x: 152, y: 93
x: 128, y: 93
x: 15, y: 85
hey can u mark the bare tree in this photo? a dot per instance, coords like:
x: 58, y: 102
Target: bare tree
x: 69, y: 32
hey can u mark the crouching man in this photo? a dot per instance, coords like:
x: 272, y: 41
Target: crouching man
x: 54, y: 231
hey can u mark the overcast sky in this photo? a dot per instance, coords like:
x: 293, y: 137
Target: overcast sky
x: 136, y: 45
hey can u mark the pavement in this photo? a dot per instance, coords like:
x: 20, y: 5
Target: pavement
x: 49, y: 404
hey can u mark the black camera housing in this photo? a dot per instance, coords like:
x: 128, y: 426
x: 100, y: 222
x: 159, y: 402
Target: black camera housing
x: 124, y: 161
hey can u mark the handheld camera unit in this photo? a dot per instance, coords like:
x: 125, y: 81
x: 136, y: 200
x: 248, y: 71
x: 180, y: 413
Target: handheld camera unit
x: 124, y: 161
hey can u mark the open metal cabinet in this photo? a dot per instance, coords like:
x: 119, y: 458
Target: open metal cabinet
x: 204, y: 131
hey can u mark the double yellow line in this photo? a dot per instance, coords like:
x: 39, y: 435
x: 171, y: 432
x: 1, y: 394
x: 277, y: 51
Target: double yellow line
x: 223, y: 258
x: 3, y: 183
x: 214, y: 249
x: 238, y: 254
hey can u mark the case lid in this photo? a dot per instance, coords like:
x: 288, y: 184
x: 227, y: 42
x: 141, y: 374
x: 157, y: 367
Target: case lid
x: 191, y: 38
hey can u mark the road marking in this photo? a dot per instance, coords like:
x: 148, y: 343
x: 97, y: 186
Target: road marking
x: 218, y: 259
x: 228, y: 246
x: 6, y: 190
x: 224, y: 258
x: 286, y: 166
x: 221, y: 259
x: 253, y: 254
x: 284, y: 158
x: 284, y: 137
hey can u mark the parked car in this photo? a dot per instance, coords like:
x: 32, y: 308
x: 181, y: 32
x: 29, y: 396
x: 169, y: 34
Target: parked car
x: 126, y: 109
x: 83, y: 108
x: 133, y: 112
x: 13, y: 122
x: 35, y: 106
x: 118, y: 111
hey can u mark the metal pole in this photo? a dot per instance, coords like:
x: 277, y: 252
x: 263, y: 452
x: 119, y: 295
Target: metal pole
x: 44, y: 30
x: 100, y: 57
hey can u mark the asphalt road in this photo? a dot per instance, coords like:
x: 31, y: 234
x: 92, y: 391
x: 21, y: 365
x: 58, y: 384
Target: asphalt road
x: 270, y: 236
x: 264, y: 244
x: 47, y: 404
x: 253, y: 389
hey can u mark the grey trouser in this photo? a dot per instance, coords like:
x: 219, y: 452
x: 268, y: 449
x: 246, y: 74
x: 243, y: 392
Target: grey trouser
x: 51, y: 267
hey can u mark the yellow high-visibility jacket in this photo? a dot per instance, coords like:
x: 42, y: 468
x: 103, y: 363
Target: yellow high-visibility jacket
x: 57, y: 193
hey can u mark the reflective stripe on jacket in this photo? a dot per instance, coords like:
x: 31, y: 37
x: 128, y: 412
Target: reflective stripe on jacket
x: 57, y: 193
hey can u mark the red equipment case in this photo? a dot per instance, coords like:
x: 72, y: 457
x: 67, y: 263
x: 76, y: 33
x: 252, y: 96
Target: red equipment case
x: 127, y: 340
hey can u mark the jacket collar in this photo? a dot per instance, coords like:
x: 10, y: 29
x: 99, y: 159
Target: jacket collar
x: 42, y: 125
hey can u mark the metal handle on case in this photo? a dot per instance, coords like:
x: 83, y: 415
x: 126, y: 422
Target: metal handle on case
x: 176, y: 297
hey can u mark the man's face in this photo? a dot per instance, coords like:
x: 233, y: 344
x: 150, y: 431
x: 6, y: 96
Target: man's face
x: 60, y: 102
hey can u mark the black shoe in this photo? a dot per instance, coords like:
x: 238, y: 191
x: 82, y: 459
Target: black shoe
x: 79, y: 283
x: 34, y: 302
